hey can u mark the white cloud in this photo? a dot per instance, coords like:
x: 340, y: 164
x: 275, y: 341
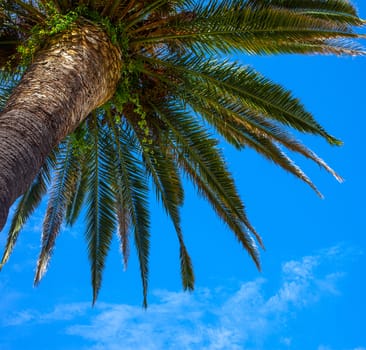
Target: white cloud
x: 208, y: 319
x: 64, y: 312
x: 324, y: 347
x: 286, y: 341
x: 212, y: 319
x: 20, y: 318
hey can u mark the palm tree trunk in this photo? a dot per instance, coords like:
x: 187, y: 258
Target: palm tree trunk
x: 76, y: 72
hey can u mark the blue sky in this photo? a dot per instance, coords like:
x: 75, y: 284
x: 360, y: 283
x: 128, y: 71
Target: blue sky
x: 310, y: 294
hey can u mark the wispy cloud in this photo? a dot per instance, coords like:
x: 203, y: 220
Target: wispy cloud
x: 64, y: 312
x: 208, y: 319
x: 323, y: 347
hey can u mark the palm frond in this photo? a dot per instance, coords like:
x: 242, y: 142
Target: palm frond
x: 224, y: 26
x: 123, y: 231
x: 335, y: 10
x: 61, y: 188
x: 24, y: 9
x: 100, y: 216
x: 198, y: 156
x: 77, y: 194
x: 117, y: 151
x: 26, y: 206
x: 78, y: 187
x: 214, y: 95
x: 246, y: 128
x: 228, y: 217
x: 247, y: 88
x: 130, y: 184
x: 143, y: 12
x: 161, y: 165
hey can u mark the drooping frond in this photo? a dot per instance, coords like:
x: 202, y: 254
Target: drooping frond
x: 161, y: 165
x: 123, y: 231
x: 163, y: 169
x: 26, y: 206
x: 198, y: 156
x: 131, y: 194
x: 61, y: 189
x: 240, y: 106
x: 100, y: 216
x: 79, y: 184
x: 121, y: 186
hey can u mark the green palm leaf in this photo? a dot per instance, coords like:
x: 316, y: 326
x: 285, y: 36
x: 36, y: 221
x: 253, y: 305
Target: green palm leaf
x: 225, y: 100
x: 100, y: 217
x: 199, y: 158
x: 247, y: 88
x: 236, y: 25
x: 130, y: 184
x: 79, y: 184
x: 336, y: 10
x: 161, y: 165
x: 61, y: 189
x: 26, y: 206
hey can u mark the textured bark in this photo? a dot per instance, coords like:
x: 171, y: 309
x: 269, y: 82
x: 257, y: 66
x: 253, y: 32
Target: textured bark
x: 74, y: 74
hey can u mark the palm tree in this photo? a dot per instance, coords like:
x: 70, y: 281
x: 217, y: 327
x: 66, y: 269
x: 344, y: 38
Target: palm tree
x: 100, y: 99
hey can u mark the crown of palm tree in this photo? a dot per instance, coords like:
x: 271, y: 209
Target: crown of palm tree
x: 172, y: 100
